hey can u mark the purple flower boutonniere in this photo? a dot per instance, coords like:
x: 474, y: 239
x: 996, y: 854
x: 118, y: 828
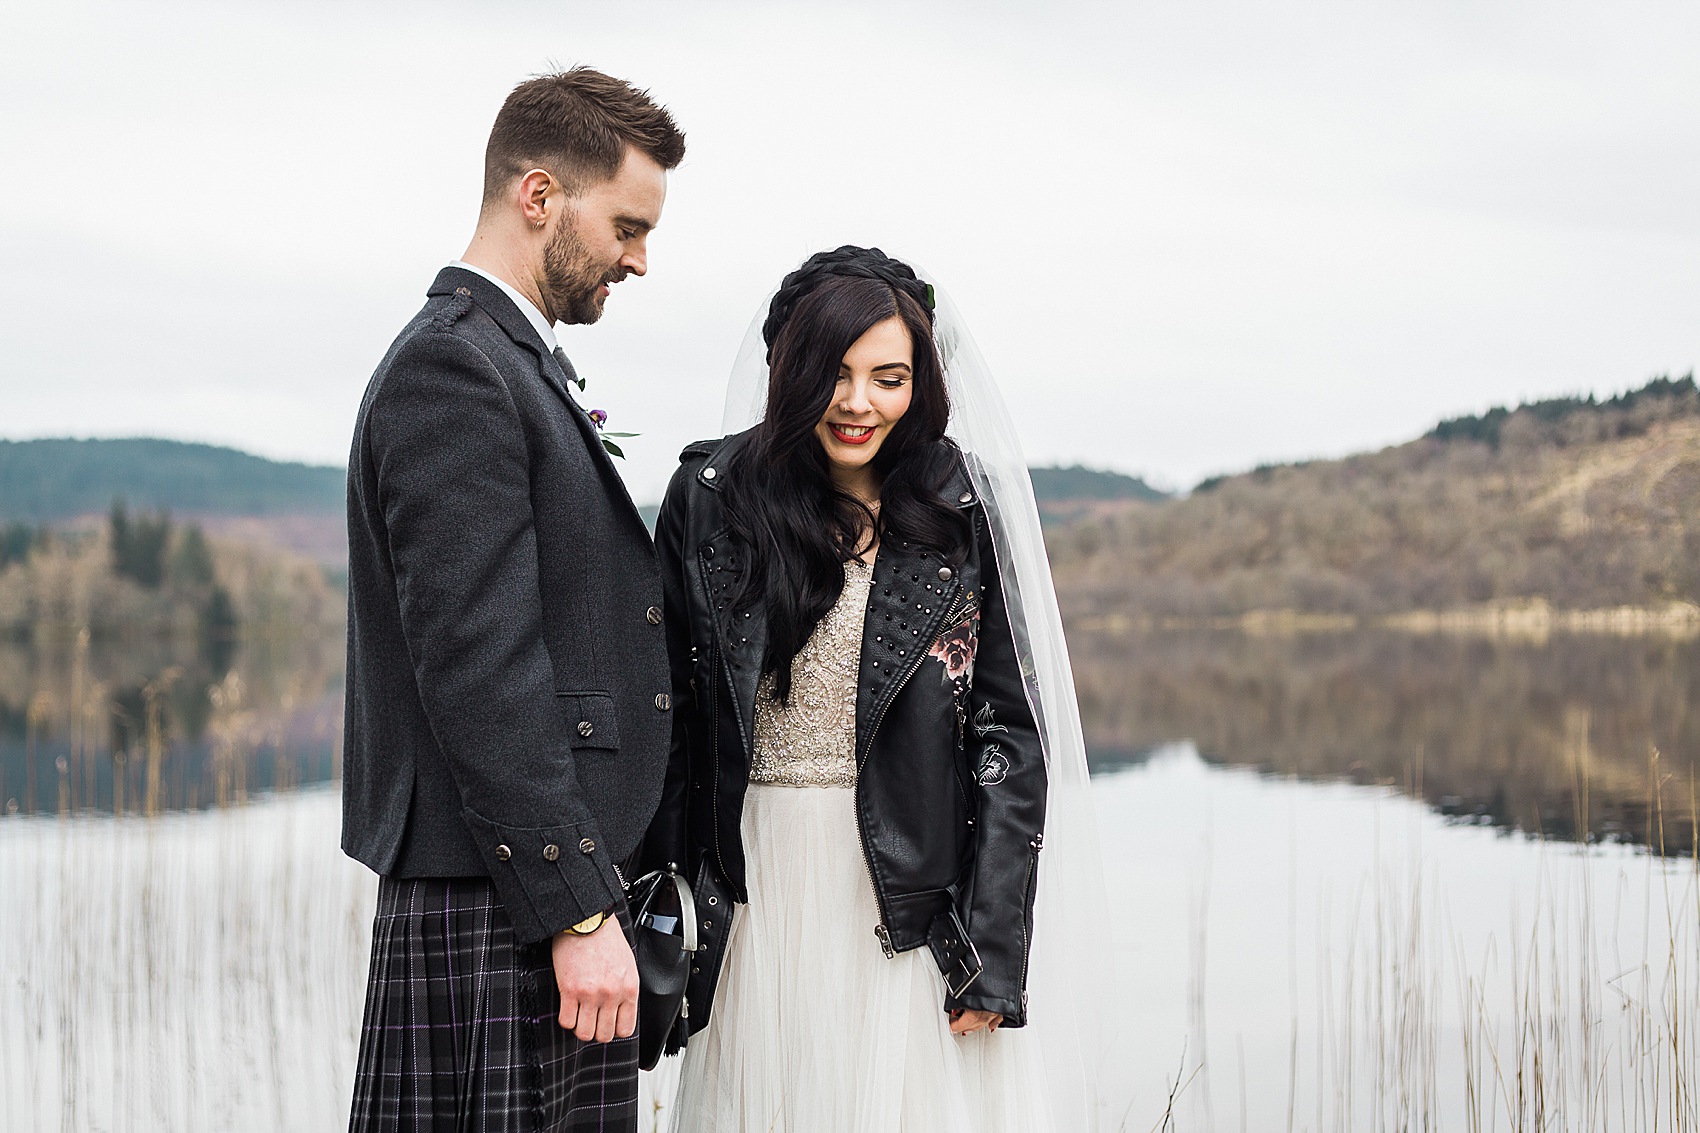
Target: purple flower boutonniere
x: 599, y: 418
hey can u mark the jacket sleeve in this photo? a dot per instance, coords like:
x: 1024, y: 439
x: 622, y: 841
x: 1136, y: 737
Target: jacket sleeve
x: 454, y: 483
x: 667, y: 839
x: 1008, y: 764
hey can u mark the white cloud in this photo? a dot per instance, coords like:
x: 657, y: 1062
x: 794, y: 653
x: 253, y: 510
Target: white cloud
x: 1190, y: 237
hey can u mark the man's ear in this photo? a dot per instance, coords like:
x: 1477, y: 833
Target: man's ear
x: 533, y: 190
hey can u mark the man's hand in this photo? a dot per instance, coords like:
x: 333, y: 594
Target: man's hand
x: 967, y: 1022
x: 598, y: 978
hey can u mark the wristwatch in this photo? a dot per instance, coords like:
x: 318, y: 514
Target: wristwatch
x: 589, y: 924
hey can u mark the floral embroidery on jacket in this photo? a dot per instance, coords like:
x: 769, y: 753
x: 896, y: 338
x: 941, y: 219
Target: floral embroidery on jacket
x: 956, y: 646
x: 994, y: 765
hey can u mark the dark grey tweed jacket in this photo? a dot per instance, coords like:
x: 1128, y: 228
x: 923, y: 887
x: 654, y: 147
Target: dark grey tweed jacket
x: 508, y: 712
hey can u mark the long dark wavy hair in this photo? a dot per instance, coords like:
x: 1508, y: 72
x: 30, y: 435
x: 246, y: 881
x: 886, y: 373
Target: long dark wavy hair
x: 797, y: 527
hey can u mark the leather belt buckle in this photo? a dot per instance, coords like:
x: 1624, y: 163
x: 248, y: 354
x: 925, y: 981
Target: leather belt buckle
x: 955, y: 954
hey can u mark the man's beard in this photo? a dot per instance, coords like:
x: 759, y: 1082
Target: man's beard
x: 571, y: 282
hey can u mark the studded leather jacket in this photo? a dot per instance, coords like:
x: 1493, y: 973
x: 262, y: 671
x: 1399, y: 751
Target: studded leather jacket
x: 950, y: 785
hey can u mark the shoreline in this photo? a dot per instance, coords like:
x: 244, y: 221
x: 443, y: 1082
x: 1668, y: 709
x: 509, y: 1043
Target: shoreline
x: 1533, y: 620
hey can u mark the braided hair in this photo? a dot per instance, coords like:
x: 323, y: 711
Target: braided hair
x: 846, y: 260
x: 797, y: 526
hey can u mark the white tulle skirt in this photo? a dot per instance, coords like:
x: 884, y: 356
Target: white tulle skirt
x: 814, y: 1030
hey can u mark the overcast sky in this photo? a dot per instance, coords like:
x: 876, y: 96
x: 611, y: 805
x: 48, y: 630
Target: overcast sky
x: 1191, y: 237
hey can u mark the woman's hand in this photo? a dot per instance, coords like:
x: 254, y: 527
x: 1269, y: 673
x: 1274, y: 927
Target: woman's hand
x: 967, y: 1022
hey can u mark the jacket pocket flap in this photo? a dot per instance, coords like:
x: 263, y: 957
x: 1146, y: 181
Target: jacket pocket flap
x: 590, y: 719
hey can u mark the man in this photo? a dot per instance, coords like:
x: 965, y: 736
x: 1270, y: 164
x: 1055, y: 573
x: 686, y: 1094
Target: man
x: 508, y: 716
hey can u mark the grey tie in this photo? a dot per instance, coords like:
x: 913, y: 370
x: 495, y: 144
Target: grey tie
x: 567, y: 369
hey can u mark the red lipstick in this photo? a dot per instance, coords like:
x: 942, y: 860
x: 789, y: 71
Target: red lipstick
x: 850, y: 440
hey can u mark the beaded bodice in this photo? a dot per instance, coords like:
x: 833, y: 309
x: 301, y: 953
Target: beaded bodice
x: 811, y: 742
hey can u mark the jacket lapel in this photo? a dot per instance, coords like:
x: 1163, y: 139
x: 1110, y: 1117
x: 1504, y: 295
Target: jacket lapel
x: 550, y: 367
x: 912, y: 592
x: 721, y: 568
x: 742, y: 633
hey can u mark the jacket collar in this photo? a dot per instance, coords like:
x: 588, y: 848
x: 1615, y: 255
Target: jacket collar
x: 493, y: 301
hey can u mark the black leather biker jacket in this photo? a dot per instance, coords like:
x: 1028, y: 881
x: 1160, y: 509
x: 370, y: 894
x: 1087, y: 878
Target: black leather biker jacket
x: 950, y: 791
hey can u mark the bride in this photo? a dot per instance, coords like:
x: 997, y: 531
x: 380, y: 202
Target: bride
x: 860, y: 768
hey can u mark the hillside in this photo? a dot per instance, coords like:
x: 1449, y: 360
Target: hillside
x: 42, y: 481
x: 1066, y: 495
x: 1581, y: 503
x: 299, y: 506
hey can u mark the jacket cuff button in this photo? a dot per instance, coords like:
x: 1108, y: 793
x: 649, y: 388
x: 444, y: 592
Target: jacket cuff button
x: 654, y: 615
x: 551, y: 852
x: 503, y: 853
x: 587, y: 847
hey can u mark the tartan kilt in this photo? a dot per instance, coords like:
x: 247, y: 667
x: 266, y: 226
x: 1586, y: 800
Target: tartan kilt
x: 460, y: 1032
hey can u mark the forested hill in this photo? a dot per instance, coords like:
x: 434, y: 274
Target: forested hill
x: 47, y: 480
x: 1586, y: 504
x: 57, y: 479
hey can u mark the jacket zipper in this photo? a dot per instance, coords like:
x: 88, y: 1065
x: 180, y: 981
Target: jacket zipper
x: 714, y: 748
x: 715, y: 669
x: 881, y: 932
x: 960, y: 698
x: 1036, y: 844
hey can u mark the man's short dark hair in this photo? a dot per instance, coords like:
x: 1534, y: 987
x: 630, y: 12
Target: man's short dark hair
x: 576, y: 124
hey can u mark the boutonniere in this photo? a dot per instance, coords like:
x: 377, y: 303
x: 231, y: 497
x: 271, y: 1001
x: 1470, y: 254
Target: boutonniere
x: 599, y: 418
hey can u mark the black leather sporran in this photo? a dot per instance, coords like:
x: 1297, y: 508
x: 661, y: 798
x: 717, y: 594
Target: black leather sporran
x: 664, y: 922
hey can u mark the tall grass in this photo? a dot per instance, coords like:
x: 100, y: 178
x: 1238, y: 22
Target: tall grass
x: 206, y: 972
x: 185, y: 972
x: 1573, y: 1008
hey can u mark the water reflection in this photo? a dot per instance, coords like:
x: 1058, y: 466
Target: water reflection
x: 1555, y: 738
x: 142, y: 726
x: 1559, y: 738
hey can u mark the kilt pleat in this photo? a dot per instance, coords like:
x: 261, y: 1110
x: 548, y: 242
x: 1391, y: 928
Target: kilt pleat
x: 460, y: 1034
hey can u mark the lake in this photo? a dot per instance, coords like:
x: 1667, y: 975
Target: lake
x: 1358, y: 880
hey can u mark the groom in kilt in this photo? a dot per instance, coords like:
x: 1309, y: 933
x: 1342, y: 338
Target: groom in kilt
x: 508, y: 715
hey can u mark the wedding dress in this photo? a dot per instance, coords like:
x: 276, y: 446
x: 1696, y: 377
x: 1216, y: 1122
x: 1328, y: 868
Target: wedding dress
x: 814, y: 1029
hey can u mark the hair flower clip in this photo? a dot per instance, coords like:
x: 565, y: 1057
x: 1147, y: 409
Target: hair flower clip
x: 599, y: 418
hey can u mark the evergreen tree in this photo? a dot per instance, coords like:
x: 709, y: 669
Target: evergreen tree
x: 16, y: 539
x: 118, y: 527
x: 139, y: 545
x: 192, y: 565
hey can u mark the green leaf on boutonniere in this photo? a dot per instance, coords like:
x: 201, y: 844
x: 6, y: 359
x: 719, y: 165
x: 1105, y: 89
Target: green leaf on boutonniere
x: 599, y: 418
